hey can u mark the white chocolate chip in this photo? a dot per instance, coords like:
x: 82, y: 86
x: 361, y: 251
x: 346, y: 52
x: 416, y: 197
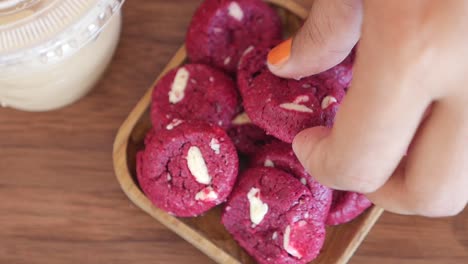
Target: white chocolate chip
x: 296, y: 107
x: 169, y: 177
x: 306, y: 86
x: 241, y: 119
x: 274, y: 236
x: 207, y: 194
x: 247, y: 50
x: 214, y: 145
x: 177, y: 92
x: 258, y: 209
x: 303, y: 181
x: 211, y: 79
x: 327, y: 101
x: 175, y: 122
x: 217, y: 30
x: 269, y: 163
x: 197, y: 166
x: 301, y: 99
x: 290, y: 249
x: 235, y: 11
x: 227, y: 60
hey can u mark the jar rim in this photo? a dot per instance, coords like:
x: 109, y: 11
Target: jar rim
x: 50, y: 29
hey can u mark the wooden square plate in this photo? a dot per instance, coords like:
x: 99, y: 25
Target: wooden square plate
x: 206, y: 232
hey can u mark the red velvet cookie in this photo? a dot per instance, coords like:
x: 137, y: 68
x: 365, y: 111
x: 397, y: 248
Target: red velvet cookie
x: 221, y: 30
x: 247, y: 137
x: 284, y: 107
x: 281, y: 156
x: 346, y: 206
x: 189, y: 169
x: 268, y: 215
x: 194, y: 92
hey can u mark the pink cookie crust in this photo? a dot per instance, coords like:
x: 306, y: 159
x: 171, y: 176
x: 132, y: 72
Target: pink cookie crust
x: 164, y: 173
x: 288, y: 208
x: 346, y: 206
x: 221, y: 30
x: 281, y: 156
x: 209, y: 95
x: 284, y: 107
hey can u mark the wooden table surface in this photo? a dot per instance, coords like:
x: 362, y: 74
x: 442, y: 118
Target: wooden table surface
x: 60, y: 201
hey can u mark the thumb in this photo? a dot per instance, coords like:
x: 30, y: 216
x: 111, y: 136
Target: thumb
x: 306, y: 142
x: 326, y: 38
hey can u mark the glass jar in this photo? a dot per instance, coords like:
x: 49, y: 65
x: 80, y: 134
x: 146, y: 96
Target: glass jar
x: 52, y: 52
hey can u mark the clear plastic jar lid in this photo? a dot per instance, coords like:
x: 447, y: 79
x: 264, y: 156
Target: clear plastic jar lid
x: 50, y: 29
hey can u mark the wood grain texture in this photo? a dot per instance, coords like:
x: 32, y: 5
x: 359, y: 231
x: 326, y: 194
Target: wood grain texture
x: 60, y: 202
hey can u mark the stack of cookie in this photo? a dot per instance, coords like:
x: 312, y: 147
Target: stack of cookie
x: 224, y: 107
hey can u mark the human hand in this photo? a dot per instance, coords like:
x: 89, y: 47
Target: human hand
x: 412, y: 56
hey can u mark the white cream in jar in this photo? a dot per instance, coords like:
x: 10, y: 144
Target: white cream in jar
x: 52, y: 52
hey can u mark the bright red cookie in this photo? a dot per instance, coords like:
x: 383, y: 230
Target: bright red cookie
x: 281, y: 156
x: 268, y: 215
x: 221, y: 30
x: 189, y: 169
x: 346, y: 206
x: 284, y: 107
x: 194, y: 92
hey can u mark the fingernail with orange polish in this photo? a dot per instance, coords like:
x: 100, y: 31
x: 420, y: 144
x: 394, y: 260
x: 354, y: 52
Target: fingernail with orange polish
x: 281, y: 53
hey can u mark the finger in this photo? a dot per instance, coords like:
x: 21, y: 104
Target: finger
x: 434, y: 179
x: 327, y: 37
x: 377, y: 119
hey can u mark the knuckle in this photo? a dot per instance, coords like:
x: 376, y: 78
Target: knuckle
x: 351, y: 5
x: 349, y: 11
x: 316, y: 30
